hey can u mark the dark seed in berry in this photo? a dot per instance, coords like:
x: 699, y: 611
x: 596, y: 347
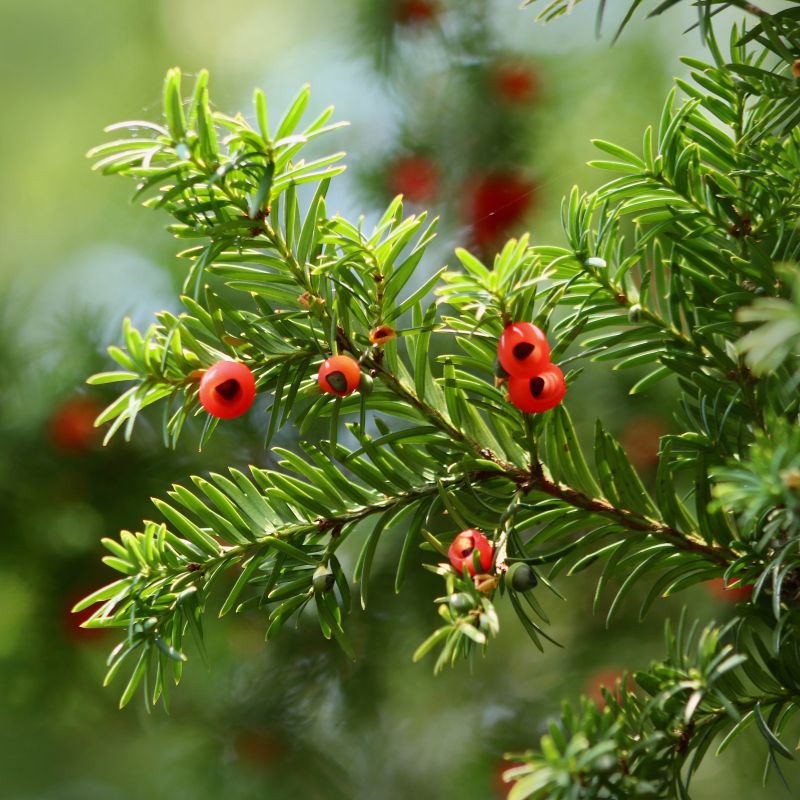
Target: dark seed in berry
x: 229, y: 389
x: 337, y: 381
x: 523, y: 350
x: 537, y: 385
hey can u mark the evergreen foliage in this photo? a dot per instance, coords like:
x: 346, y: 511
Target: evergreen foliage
x: 685, y: 262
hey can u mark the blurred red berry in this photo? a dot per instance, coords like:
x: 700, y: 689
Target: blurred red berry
x: 496, y: 204
x: 515, y: 82
x: 606, y: 677
x: 72, y: 621
x: 227, y: 389
x: 72, y: 424
x: 259, y: 748
x: 732, y: 592
x: 501, y: 787
x: 523, y: 350
x: 415, y: 177
x: 641, y: 438
x: 415, y: 12
x: 464, y: 545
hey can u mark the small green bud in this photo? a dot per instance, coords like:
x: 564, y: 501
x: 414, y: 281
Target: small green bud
x: 635, y: 313
x: 605, y: 763
x: 145, y: 625
x: 323, y: 579
x: 365, y: 384
x: 523, y: 578
x: 460, y: 602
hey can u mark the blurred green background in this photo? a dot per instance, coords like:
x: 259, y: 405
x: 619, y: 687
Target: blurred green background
x: 296, y: 719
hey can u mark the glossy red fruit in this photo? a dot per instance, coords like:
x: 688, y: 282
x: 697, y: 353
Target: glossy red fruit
x: 516, y: 82
x: 416, y: 12
x: 540, y: 393
x: 523, y: 350
x: 339, y: 375
x: 415, y: 177
x: 732, y: 592
x: 72, y: 424
x: 227, y: 389
x: 496, y: 204
x: 464, y: 545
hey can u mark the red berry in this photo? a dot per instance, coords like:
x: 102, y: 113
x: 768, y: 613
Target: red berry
x: 540, y: 393
x: 416, y: 12
x: 259, y: 748
x: 495, y: 204
x: 523, y: 350
x: 516, y: 82
x: 72, y: 424
x: 464, y: 545
x: 609, y: 678
x: 382, y: 335
x: 501, y: 786
x: 731, y: 592
x: 73, y: 621
x: 415, y: 177
x: 227, y: 389
x: 339, y: 375
x: 641, y: 439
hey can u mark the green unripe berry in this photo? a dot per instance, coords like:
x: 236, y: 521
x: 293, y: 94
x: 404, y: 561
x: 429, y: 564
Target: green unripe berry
x: 635, y: 313
x: 605, y: 764
x: 365, y: 384
x: 498, y: 369
x: 323, y: 579
x: 523, y: 578
x: 460, y: 602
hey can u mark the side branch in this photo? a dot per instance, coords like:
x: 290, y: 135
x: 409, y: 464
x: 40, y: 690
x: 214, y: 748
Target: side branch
x: 688, y: 542
x: 535, y: 480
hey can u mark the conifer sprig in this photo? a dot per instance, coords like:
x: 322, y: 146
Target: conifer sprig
x: 671, y: 265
